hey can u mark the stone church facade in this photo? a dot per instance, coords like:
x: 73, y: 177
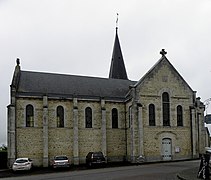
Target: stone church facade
x: 158, y: 117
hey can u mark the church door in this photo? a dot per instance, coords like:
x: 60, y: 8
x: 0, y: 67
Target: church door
x: 166, y: 149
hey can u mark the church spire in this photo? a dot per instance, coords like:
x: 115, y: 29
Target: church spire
x: 117, y: 68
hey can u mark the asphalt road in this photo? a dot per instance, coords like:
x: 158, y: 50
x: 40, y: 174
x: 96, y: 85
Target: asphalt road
x: 158, y: 171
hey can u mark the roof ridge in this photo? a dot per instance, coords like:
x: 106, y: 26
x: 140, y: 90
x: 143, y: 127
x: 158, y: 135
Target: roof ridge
x: 73, y: 75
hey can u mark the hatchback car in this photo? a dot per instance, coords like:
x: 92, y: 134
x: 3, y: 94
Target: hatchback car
x: 95, y: 158
x: 60, y: 161
x: 22, y: 164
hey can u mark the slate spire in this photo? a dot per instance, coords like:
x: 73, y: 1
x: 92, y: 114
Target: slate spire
x: 117, y: 68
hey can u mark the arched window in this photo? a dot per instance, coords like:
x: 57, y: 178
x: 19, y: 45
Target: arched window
x: 166, y: 109
x: 29, y: 116
x: 88, y: 116
x: 152, y: 115
x: 114, y: 118
x: 179, y: 116
x: 60, y: 116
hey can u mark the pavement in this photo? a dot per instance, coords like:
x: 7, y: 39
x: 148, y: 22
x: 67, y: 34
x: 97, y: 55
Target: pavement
x: 189, y: 174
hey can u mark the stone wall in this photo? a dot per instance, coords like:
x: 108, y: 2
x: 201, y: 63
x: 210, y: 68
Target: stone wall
x: 164, y: 79
x: 60, y: 140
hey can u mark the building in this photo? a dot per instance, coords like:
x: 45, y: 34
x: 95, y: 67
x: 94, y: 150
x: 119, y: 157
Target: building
x: 158, y: 117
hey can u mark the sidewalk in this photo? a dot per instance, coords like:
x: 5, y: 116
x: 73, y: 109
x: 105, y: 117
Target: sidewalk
x: 190, y: 174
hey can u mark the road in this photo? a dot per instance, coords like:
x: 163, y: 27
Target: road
x: 158, y: 171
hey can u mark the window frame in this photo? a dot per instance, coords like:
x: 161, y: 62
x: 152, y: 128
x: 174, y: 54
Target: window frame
x: 152, y: 115
x: 88, y: 117
x: 166, y: 109
x: 179, y: 115
x: 114, y: 118
x: 60, y: 116
x: 29, y: 115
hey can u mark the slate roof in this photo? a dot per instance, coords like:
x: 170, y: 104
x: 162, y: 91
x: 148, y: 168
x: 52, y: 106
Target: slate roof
x: 61, y: 85
x: 117, y: 69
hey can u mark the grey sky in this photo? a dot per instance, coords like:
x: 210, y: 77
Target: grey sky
x: 76, y: 37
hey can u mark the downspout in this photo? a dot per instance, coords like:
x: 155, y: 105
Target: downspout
x: 125, y: 159
x: 191, y: 132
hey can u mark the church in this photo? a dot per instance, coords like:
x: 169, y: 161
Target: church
x: 158, y: 117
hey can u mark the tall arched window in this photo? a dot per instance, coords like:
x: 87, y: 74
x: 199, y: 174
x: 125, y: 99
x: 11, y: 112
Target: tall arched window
x: 114, y: 118
x: 179, y: 116
x: 152, y: 115
x: 60, y: 116
x: 29, y: 116
x: 166, y: 109
x: 88, y: 116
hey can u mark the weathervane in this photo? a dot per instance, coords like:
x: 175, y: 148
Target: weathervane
x: 117, y: 18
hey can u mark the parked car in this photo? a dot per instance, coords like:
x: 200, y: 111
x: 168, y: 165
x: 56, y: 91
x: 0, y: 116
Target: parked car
x: 95, y: 158
x: 208, y: 149
x: 60, y: 161
x: 140, y: 159
x: 22, y: 164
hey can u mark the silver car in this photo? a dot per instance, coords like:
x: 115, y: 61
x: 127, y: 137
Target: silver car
x: 22, y: 164
x: 60, y: 161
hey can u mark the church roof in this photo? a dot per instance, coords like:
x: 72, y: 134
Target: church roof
x: 117, y: 68
x: 157, y: 65
x: 68, y: 86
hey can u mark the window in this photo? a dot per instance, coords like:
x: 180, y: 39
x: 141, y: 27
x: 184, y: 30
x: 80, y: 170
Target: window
x: 60, y: 116
x: 114, y: 118
x: 130, y: 116
x: 152, y: 115
x: 29, y: 116
x: 88, y: 116
x: 166, y: 109
x: 179, y: 116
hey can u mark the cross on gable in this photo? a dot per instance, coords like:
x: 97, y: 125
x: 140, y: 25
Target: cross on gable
x: 163, y: 52
x: 18, y: 61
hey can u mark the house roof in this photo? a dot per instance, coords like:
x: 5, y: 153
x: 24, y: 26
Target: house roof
x: 61, y: 85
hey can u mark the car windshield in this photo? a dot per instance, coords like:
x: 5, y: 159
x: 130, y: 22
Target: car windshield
x: 97, y: 154
x: 21, y: 161
x: 61, y: 158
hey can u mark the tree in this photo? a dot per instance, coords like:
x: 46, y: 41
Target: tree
x: 3, y: 147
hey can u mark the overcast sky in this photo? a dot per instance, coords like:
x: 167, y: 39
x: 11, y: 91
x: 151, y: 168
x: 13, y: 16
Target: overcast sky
x: 76, y: 37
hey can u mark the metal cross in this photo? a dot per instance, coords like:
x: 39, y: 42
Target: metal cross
x: 163, y: 52
x: 18, y: 61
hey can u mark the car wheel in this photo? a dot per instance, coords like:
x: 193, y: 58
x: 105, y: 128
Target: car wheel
x: 31, y: 168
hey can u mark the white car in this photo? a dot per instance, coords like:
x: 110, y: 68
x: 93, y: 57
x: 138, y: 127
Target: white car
x: 208, y: 149
x: 22, y: 164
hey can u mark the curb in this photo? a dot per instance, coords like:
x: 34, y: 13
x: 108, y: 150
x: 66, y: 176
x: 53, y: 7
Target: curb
x: 181, y: 178
x: 189, y: 174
